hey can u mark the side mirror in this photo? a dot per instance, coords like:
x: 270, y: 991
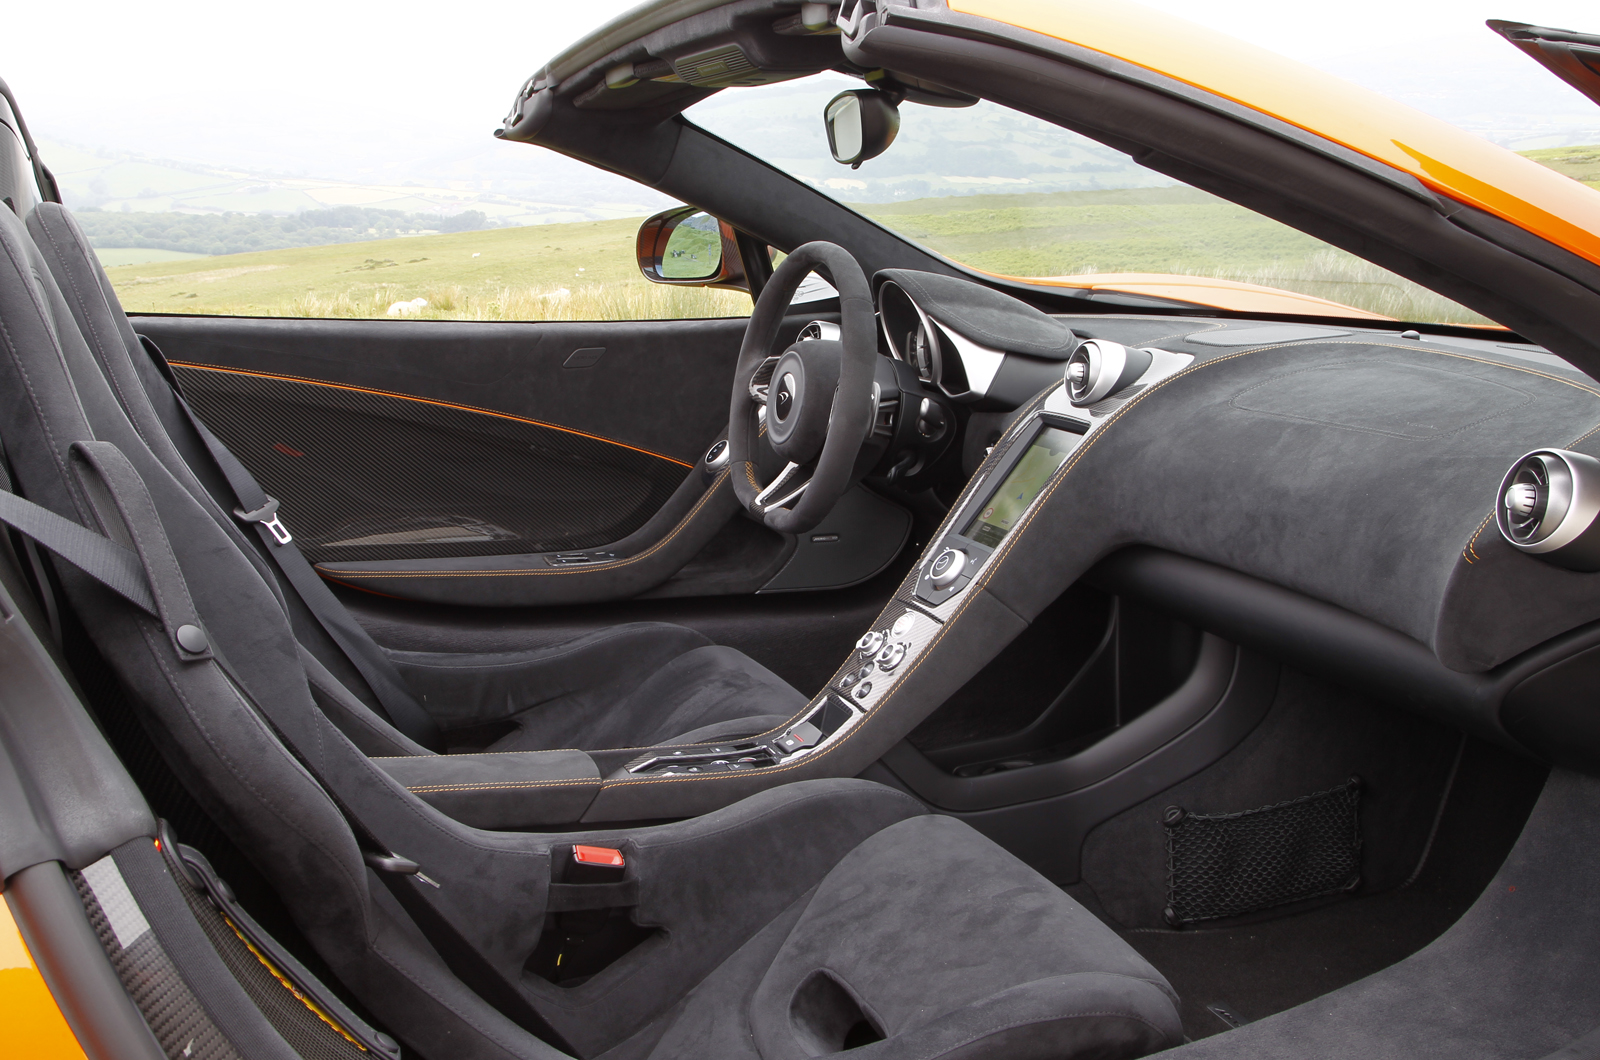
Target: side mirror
x: 861, y: 124
x: 687, y: 247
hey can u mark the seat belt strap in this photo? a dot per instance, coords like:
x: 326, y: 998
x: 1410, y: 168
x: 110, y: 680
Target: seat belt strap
x: 89, y: 551
x: 116, y: 567
x: 258, y: 509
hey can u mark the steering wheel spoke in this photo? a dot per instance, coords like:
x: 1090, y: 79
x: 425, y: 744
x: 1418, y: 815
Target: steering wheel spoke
x: 783, y: 490
x: 761, y: 381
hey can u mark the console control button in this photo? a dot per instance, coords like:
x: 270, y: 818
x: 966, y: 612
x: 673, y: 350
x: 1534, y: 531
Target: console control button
x: 853, y: 676
x: 869, y: 644
x: 863, y: 690
x: 902, y: 625
x: 890, y: 656
x: 947, y: 568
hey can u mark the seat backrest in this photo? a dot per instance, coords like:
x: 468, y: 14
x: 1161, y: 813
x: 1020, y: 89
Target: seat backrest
x: 126, y: 390
x: 235, y: 719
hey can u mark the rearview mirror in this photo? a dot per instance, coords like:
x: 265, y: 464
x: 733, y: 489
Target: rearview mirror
x: 861, y: 124
x: 687, y: 247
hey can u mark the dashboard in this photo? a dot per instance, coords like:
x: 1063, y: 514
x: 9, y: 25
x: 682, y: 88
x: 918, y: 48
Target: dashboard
x: 1357, y: 469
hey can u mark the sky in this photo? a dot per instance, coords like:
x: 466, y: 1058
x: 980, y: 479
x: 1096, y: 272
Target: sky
x: 368, y: 93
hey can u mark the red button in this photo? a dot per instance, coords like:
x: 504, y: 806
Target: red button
x: 597, y: 856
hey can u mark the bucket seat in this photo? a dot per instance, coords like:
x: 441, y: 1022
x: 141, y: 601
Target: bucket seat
x: 633, y: 685
x: 804, y: 921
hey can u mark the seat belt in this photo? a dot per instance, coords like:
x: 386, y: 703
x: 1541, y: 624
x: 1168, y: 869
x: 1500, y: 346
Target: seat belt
x: 115, y: 566
x: 260, y: 510
x: 123, y: 571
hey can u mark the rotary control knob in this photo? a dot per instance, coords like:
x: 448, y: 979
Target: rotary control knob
x: 869, y: 644
x: 890, y: 656
x: 947, y: 568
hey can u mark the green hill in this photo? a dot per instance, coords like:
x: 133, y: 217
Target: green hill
x: 585, y: 270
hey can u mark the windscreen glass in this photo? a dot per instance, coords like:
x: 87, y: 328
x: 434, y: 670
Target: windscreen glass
x: 1011, y: 195
x: 1028, y: 477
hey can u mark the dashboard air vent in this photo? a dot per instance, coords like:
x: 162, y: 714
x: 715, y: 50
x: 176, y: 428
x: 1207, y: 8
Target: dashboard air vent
x: 1547, y: 506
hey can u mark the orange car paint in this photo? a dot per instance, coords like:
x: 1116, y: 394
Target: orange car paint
x: 1448, y: 160
x: 1208, y: 291
x: 31, y: 1025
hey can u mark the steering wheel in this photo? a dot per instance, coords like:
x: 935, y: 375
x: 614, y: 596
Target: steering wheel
x: 819, y: 404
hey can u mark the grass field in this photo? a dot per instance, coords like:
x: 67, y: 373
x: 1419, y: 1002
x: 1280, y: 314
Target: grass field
x: 579, y: 271
x: 586, y: 271
x: 1580, y: 163
x: 141, y: 256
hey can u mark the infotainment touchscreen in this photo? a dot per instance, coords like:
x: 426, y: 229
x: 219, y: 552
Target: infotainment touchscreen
x: 1028, y: 477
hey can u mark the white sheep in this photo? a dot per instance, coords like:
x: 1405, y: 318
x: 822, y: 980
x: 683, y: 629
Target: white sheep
x: 406, y: 309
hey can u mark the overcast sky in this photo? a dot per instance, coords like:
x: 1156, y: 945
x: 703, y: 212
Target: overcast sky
x: 339, y: 89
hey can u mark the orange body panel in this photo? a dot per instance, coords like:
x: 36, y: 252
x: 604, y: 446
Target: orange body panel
x: 1206, y: 291
x: 1448, y: 160
x: 31, y: 1024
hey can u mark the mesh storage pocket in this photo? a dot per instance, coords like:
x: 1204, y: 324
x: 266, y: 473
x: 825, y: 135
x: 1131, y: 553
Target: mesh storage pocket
x: 1230, y: 864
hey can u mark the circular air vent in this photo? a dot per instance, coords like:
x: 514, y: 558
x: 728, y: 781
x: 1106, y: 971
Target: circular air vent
x: 1547, y: 506
x: 1099, y: 368
x: 819, y: 329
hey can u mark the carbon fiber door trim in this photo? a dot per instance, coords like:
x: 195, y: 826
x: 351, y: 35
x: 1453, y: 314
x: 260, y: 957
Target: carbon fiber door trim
x: 375, y: 475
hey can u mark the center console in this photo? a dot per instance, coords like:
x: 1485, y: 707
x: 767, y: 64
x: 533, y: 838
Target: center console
x: 1002, y: 502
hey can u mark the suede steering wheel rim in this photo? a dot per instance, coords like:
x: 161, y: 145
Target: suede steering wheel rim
x: 820, y: 407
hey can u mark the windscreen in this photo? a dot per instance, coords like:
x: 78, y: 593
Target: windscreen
x: 1011, y: 195
x: 1028, y: 477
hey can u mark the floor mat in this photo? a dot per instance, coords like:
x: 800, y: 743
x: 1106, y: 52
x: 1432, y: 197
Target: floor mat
x: 1256, y: 969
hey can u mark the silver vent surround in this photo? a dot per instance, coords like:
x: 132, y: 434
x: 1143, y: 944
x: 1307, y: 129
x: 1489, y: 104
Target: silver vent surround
x: 819, y: 329
x: 1547, y: 506
x: 1099, y: 368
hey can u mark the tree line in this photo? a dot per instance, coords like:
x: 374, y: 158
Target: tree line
x: 238, y: 233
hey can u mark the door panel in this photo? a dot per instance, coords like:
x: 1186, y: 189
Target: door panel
x: 391, y: 440
x: 368, y: 475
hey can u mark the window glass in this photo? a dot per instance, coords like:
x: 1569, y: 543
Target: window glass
x: 378, y: 263
x: 1012, y: 195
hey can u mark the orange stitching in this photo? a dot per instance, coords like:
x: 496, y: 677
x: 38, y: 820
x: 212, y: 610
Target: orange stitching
x: 432, y: 788
x: 424, y: 401
x: 337, y: 575
x: 1470, y: 553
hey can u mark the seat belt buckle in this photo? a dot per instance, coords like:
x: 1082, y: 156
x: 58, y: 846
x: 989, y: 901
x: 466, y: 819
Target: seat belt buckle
x: 267, y: 516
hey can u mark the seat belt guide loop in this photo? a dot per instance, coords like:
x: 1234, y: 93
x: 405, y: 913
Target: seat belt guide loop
x: 267, y: 516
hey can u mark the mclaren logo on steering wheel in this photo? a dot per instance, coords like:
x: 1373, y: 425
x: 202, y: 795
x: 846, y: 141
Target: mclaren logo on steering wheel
x: 785, y: 399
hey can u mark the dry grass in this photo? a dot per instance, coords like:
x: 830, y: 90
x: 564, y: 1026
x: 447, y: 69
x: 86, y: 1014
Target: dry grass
x: 616, y: 301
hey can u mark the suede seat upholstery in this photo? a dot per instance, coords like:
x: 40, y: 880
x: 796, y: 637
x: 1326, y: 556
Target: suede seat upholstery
x: 648, y: 685
x: 795, y: 923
